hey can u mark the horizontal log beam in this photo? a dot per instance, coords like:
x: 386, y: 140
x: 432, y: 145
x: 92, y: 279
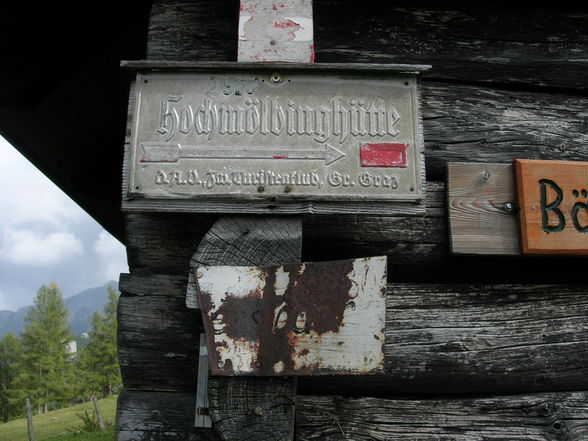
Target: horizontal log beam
x: 531, y: 48
x: 158, y: 416
x: 540, y: 417
x: 155, y: 416
x: 475, y: 124
x: 440, y: 339
x: 158, y: 342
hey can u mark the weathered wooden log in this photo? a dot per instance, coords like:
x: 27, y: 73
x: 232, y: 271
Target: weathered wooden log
x: 467, y: 45
x: 158, y: 416
x: 416, y: 247
x: 157, y: 342
x: 478, y: 339
x: 473, y: 124
x: 531, y: 417
x: 540, y: 417
x: 440, y: 339
x: 163, y: 243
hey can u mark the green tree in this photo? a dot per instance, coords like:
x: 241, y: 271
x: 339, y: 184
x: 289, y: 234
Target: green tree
x: 45, y: 370
x: 98, y: 367
x: 10, y: 354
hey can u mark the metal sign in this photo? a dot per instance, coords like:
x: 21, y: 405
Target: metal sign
x: 276, y: 136
x: 298, y: 319
x: 553, y: 201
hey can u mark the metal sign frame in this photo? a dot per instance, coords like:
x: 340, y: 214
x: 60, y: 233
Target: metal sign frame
x: 380, y: 169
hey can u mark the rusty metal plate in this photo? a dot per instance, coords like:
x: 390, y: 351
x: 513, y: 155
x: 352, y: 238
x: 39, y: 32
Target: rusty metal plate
x: 319, y: 318
x: 276, y: 136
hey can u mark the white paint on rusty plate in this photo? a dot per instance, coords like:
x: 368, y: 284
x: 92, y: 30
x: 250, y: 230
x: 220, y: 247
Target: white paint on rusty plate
x: 298, y: 319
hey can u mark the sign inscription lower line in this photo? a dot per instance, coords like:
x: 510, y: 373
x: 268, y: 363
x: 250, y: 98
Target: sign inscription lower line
x: 163, y: 152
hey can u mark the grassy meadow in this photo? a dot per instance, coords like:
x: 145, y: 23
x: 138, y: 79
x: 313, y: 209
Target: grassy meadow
x: 59, y: 425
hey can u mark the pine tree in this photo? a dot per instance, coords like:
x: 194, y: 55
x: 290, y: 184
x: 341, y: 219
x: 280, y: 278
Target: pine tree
x: 98, y: 362
x: 45, y: 372
x: 10, y: 354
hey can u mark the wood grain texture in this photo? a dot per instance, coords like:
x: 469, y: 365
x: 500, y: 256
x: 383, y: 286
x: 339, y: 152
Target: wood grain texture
x: 531, y: 417
x: 540, y: 417
x: 253, y: 409
x: 540, y: 47
x: 157, y: 336
x: 465, y: 123
x: 463, y: 44
x: 553, y: 212
x: 152, y: 284
x: 185, y: 30
x: 258, y: 242
x: 158, y: 416
x: 165, y: 242
x: 440, y: 339
x: 272, y: 241
x: 479, y: 221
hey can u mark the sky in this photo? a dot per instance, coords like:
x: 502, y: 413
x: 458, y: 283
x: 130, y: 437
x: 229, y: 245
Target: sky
x: 46, y: 237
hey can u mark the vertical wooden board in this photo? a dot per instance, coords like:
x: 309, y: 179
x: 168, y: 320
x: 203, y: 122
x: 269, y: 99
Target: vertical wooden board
x: 480, y: 221
x: 250, y: 408
x: 553, y: 200
x: 276, y: 31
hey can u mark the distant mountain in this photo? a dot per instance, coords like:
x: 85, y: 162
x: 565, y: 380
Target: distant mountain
x: 80, y: 307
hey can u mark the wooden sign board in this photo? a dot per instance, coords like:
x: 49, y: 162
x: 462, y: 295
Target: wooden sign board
x: 231, y: 137
x: 316, y: 318
x: 553, y: 201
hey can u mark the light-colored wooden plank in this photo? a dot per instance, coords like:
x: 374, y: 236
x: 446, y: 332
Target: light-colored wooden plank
x: 276, y: 31
x: 553, y: 200
x: 481, y: 209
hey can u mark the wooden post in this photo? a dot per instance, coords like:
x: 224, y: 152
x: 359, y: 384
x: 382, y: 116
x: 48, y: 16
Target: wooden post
x: 241, y: 407
x: 255, y: 408
x: 98, y: 413
x: 30, y: 421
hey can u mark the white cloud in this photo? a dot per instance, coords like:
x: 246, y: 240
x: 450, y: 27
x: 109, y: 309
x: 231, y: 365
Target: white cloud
x: 112, y: 255
x: 28, y: 195
x: 26, y: 247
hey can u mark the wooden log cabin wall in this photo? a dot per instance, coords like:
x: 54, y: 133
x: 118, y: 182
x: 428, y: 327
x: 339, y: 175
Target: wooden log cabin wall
x: 477, y: 347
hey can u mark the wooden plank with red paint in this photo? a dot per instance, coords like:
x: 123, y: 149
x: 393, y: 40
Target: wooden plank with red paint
x: 276, y: 31
x: 553, y: 202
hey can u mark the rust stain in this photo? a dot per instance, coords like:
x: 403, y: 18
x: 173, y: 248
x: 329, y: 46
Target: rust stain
x: 282, y: 321
x: 241, y: 316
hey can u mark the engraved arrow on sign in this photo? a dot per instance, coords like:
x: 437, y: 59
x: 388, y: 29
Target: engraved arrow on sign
x: 160, y: 152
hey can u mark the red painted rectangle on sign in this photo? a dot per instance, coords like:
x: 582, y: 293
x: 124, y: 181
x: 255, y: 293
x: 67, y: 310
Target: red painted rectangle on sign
x: 383, y: 154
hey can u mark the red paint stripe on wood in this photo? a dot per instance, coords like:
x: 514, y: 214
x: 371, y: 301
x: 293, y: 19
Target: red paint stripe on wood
x: 383, y: 154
